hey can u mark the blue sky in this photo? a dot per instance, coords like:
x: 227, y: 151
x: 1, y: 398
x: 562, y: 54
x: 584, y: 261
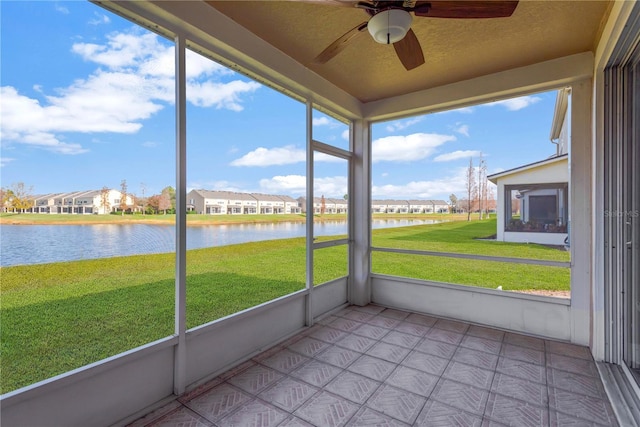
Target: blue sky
x: 87, y: 101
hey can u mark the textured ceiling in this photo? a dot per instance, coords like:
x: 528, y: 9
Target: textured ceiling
x: 454, y: 49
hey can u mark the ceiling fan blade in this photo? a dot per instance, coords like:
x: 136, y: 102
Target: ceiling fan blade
x: 340, y: 44
x: 339, y: 3
x: 465, y: 9
x: 409, y: 51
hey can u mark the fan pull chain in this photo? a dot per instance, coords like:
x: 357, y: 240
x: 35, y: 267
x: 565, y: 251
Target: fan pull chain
x: 388, y: 32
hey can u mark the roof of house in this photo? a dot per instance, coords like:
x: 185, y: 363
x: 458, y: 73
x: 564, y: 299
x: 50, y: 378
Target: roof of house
x: 551, y: 160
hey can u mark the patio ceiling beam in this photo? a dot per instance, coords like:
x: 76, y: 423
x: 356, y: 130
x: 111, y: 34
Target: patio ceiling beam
x: 521, y: 81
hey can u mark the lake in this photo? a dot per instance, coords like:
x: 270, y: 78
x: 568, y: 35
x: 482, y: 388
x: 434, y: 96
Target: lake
x: 38, y: 244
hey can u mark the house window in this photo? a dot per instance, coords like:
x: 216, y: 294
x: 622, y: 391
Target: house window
x: 538, y: 208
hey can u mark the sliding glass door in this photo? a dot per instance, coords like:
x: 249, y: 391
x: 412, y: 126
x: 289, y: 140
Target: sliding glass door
x: 631, y: 314
x: 622, y: 203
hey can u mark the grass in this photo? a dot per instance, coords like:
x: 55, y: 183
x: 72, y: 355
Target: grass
x: 60, y: 316
x: 193, y: 219
x: 462, y: 237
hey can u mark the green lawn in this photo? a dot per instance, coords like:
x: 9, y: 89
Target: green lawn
x: 195, y: 219
x: 60, y: 316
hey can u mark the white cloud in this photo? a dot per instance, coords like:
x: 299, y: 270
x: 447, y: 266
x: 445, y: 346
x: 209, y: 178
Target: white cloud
x: 220, y: 95
x: 221, y: 185
x: 135, y: 81
x: 284, y: 184
x: 345, y: 134
x: 149, y: 144
x: 99, y: 18
x: 320, y: 121
x: 5, y: 161
x: 415, y: 189
x: 278, y: 156
x: 408, y: 148
x: 326, y: 121
x: 462, y: 129
x: 456, y: 155
x: 515, y: 104
x: 334, y: 186
x: 403, y: 124
x: 432, y: 189
x: 62, y: 9
x: 272, y: 156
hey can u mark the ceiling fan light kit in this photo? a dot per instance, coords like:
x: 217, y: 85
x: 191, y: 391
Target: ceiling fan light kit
x: 390, y: 26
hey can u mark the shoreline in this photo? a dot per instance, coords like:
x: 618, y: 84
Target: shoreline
x: 198, y: 220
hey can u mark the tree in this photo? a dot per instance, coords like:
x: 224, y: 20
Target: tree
x: 19, y: 197
x: 123, y: 196
x: 6, y: 196
x: 171, y: 192
x: 164, y: 201
x: 323, y: 206
x: 104, y: 199
x: 470, y: 182
x: 454, y: 202
x: 143, y: 200
x: 153, y: 203
x: 482, y: 186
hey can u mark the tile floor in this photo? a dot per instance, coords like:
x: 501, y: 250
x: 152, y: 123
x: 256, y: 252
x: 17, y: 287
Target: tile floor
x: 369, y: 366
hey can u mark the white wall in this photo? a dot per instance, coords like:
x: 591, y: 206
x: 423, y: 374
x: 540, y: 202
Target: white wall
x: 542, y: 316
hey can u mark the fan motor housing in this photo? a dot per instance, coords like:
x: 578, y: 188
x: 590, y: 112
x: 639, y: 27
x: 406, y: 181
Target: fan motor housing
x: 389, y: 26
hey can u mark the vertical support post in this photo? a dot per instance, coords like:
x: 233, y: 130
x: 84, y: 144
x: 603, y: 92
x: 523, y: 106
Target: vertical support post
x: 309, y: 218
x: 360, y: 205
x: 180, y: 368
x: 580, y: 209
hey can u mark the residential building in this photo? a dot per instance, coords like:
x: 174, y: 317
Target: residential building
x: 81, y: 202
x: 291, y: 205
x: 208, y: 202
x: 269, y: 204
x: 541, y: 189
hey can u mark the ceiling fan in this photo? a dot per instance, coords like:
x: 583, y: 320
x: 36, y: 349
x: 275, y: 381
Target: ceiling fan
x: 390, y: 22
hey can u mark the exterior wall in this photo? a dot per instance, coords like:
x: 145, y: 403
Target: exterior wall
x: 557, y: 172
x: 556, y: 239
x: 563, y: 140
x: 542, y: 316
x: 80, y: 202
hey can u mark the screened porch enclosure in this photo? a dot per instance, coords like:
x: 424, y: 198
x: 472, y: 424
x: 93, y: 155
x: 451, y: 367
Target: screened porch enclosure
x: 176, y: 369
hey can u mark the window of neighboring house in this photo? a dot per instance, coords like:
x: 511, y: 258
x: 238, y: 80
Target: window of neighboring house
x: 537, y: 208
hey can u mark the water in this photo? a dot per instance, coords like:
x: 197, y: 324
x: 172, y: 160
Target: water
x: 38, y: 244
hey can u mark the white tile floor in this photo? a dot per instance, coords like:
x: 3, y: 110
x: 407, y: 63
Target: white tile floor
x: 369, y: 366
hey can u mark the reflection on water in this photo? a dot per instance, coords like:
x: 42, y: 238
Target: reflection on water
x: 37, y: 244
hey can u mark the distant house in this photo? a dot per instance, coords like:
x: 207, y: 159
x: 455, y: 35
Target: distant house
x: 439, y: 206
x: 291, y: 205
x: 339, y: 205
x: 81, y: 202
x: 379, y: 206
x: 269, y: 204
x: 209, y: 202
x: 533, y: 199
